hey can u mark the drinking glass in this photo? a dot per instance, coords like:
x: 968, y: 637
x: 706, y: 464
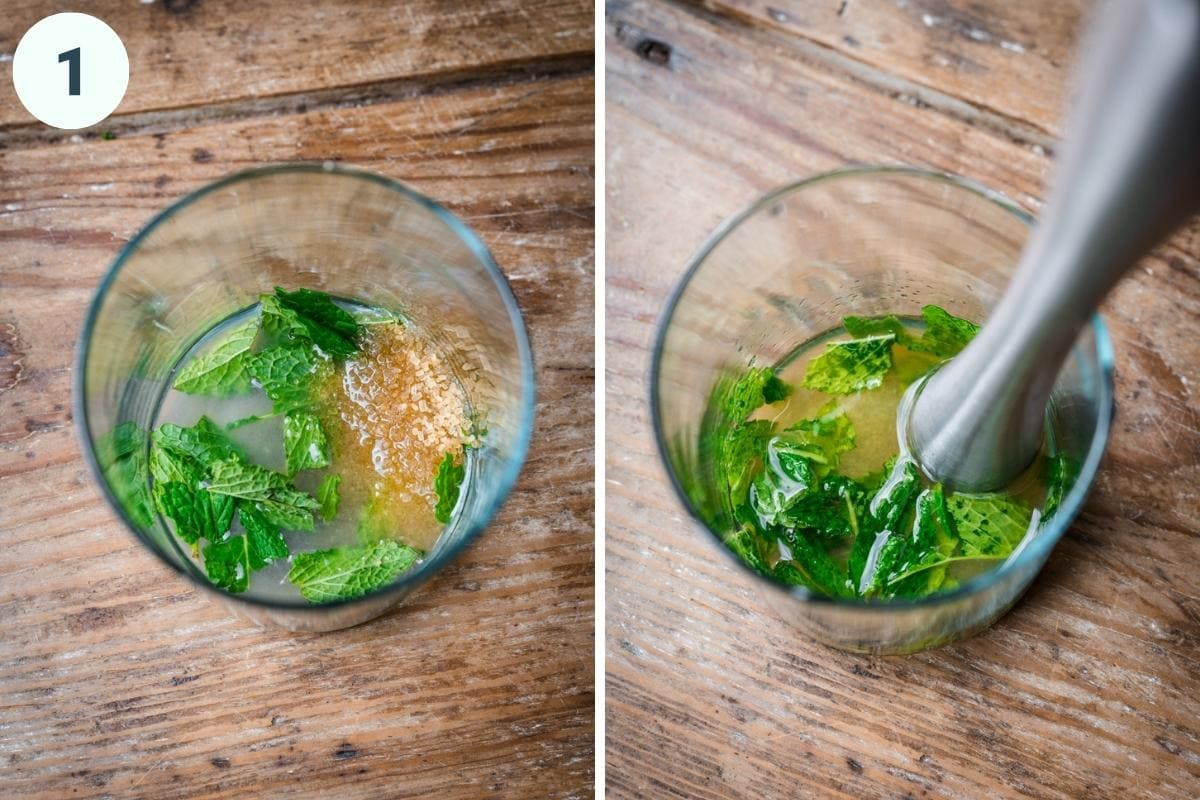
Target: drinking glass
x: 864, y: 241
x: 356, y: 235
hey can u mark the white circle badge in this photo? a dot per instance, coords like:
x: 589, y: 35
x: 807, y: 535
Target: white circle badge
x: 70, y: 70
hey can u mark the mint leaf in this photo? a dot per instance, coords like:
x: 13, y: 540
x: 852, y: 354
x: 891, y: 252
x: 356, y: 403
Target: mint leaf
x: 328, y: 325
x: 789, y: 475
x: 327, y: 575
x: 304, y: 442
x: 286, y: 515
x: 861, y: 327
x: 945, y: 334
x: 885, y: 515
x: 805, y: 563
x: 740, y: 398
x: 274, y: 500
x: 746, y: 543
x: 166, y: 466
x: 229, y: 562
x: 988, y: 525
x: 447, y: 483
x: 282, y: 325
x: 851, y: 366
x: 328, y: 497
x: 197, y: 513
x: 1059, y: 472
x: 834, y: 511
x: 823, y: 438
x: 286, y: 373
x: 124, y: 440
x: 915, y: 565
x: 265, y: 539
x: 740, y: 459
x: 238, y: 478
x: 222, y: 370
x: 204, y: 442
x: 731, y: 448
x: 121, y: 454
x: 250, y: 420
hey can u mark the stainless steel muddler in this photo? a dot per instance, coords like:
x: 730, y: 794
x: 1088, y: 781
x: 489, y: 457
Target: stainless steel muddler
x: 1129, y: 174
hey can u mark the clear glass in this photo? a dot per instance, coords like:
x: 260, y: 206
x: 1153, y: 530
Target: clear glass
x: 865, y: 241
x: 353, y: 234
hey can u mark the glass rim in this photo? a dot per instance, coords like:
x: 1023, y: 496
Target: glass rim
x: 513, y: 464
x: 1036, y: 550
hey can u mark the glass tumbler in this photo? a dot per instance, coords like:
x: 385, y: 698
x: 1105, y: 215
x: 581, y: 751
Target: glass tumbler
x: 353, y: 234
x: 864, y: 241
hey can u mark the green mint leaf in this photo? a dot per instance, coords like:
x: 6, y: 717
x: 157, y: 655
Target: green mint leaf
x: 915, y: 565
x: 834, y: 511
x: 805, y: 563
x: 824, y: 438
x: 121, y: 454
x: 885, y: 515
x: 230, y: 562
x: 166, y: 466
x: 297, y: 498
x: 797, y: 489
x: 328, y: 497
x: 304, y: 442
x: 329, y: 326
x: 328, y: 575
x: 740, y: 459
x: 124, y: 440
x: 265, y: 541
x: 281, y: 325
x: 286, y: 374
x: 945, y: 334
x: 731, y: 449
x: 288, y: 516
x: 988, y: 525
x: 746, y: 543
x: 238, y: 478
x: 197, y: 513
x: 447, y: 483
x: 222, y: 370
x: 250, y: 420
x: 862, y: 327
x: 1059, y: 472
x: 204, y: 442
x: 740, y: 398
x: 789, y: 476
x: 851, y: 366
x: 227, y: 563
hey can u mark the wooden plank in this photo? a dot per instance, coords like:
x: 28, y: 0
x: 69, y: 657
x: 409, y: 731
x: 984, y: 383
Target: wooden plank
x: 186, y: 53
x: 1008, y: 58
x: 116, y: 679
x: 1089, y: 688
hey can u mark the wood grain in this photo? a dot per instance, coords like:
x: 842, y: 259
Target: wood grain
x: 119, y: 680
x: 187, y: 53
x: 1088, y: 688
x: 1006, y: 58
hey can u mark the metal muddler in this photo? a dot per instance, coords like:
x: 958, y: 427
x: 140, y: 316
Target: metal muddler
x: 1129, y: 174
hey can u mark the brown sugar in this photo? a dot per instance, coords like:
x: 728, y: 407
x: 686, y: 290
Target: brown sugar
x: 396, y: 410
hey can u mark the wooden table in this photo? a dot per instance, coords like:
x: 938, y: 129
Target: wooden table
x: 116, y: 678
x: 1090, y: 687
